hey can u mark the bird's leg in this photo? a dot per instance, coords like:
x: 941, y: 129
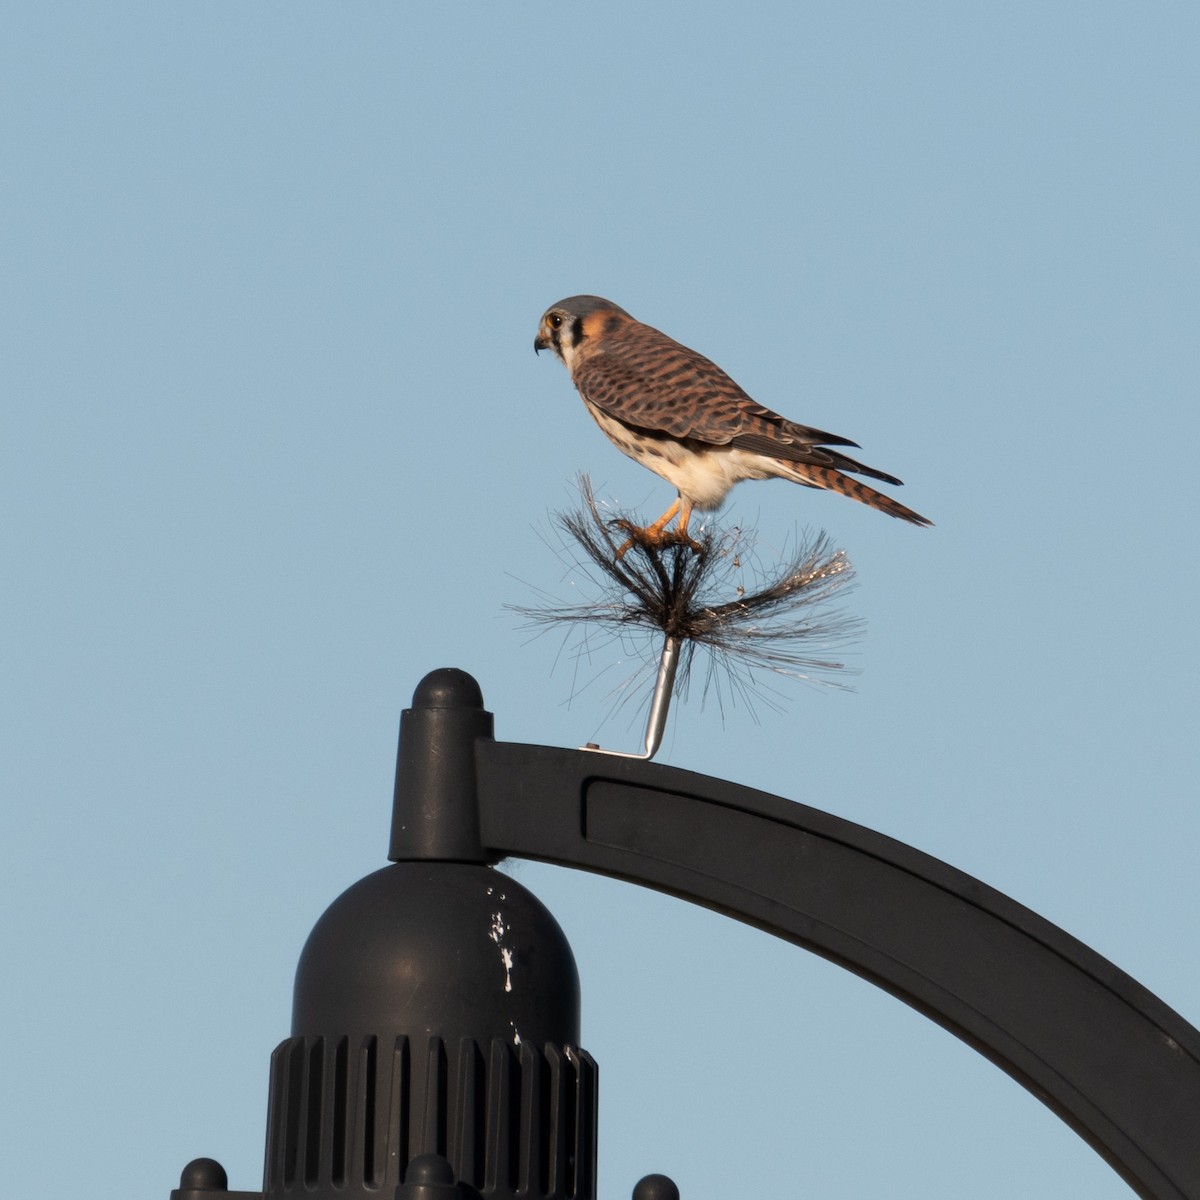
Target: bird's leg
x: 651, y: 535
x: 656, y: 536
x: 681, y: 533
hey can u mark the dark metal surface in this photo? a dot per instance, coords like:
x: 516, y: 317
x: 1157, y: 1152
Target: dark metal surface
x: 1118, y: 1065
x: 432, y: 816
x: 453, y: 949
x: 435, y: 1013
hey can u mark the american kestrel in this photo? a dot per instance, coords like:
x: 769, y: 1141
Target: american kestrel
x: 679, y: 414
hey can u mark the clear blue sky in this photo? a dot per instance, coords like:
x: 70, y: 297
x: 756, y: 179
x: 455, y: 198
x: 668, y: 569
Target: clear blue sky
x: 274, y: 445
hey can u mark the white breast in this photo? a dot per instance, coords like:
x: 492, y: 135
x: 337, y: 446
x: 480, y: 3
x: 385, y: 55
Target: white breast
x: 701, y: 475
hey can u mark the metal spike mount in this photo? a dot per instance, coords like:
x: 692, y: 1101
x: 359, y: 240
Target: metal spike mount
x: 660, y: 705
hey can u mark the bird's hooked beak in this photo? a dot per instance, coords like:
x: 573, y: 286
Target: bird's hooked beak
x: 541, y: 342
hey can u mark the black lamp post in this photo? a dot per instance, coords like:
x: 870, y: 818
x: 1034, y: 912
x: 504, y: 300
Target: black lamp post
x: 434, y: 1051
x: 436, y: 1007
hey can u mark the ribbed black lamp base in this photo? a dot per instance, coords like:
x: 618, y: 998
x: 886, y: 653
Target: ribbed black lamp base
x: 513, y: 1121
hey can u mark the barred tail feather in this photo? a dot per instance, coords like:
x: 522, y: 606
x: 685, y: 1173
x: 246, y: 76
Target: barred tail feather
x: 812, y: 475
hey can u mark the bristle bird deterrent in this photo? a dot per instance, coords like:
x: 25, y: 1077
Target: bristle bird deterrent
x: 677, y: 413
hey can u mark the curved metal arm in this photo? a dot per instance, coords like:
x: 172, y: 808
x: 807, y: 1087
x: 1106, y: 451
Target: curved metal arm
x: 1114, y: 1062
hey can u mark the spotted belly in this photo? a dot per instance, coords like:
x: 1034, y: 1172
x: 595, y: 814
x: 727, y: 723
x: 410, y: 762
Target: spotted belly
x: 703, y: 473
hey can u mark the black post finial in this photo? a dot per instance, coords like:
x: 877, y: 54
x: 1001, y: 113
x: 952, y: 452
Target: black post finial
x: 435, y: 814
x: 655, y: 1187
x: 430, y: 1177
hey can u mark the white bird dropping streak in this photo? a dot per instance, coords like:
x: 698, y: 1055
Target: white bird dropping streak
x: 496, y: 933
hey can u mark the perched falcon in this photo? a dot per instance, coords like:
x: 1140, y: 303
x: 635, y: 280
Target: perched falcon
x: 679, y: 414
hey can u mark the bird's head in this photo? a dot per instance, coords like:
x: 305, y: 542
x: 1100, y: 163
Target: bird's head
x: 565, y: 326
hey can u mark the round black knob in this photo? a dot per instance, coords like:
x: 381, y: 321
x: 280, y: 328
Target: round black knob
x: 655, y: 1187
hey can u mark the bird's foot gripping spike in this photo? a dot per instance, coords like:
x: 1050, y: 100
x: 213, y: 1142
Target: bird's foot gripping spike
x: 650, y: 538
x: 713, y: 596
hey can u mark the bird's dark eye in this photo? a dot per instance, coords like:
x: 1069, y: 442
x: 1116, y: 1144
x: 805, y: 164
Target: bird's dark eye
x: 554, y: 320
